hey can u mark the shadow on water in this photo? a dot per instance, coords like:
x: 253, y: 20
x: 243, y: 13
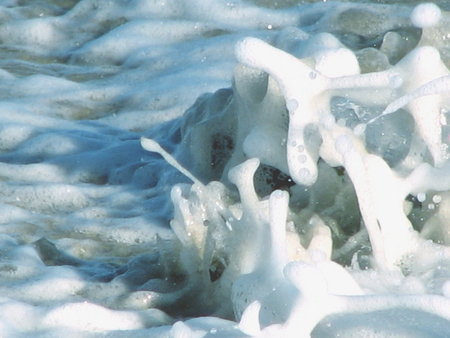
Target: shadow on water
x: 89, y: 154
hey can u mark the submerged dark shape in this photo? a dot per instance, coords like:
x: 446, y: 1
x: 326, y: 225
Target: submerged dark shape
x: 95, y: 271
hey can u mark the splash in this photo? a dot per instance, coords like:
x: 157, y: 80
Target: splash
x: 271, y: 262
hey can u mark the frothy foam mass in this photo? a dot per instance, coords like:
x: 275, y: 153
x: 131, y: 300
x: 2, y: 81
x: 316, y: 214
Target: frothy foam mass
x: 224, y: 169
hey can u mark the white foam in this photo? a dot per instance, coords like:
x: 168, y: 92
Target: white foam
x: 426, y: 15
x: 82, y: 82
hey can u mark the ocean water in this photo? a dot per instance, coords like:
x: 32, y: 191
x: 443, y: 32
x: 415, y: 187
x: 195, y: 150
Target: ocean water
x: 87, y: 247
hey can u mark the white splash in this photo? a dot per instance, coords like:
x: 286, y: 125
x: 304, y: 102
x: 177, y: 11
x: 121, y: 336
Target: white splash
x: 316, y: 189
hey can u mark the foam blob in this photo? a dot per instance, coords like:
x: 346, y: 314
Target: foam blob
x: 354, y: 164
x: 256, y: 53
x: 275, y: 293
x: 313, y: 289
x: 320, y: 246
x: 342, y: 56
x: 87, y: 316
x: 425, y: 15
x: 307, y: 279
x: 180, y: 330
x: 241, y: 176
x: 306, y: 86
x: 57, y: 284
x: 278, y: 210
x: 26, y: 317
x: 339, y: 280
x: 249, y: 323
x: 425, y: 109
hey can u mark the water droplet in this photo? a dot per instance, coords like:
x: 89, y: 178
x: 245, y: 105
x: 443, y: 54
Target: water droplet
x: 437, y: 198
x: 421, y: 197
x: 342, y: 122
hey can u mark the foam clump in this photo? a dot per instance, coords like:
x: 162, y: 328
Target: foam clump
x: 82, y: 316
x: 425, y: 15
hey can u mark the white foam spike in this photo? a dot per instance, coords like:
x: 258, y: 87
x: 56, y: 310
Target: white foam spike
x: 153, y: 146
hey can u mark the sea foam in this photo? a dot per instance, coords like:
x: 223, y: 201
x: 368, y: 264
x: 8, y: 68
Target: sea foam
x: 304, y: 162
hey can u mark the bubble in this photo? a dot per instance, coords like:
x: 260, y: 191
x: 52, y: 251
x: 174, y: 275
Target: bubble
x: 421, y: 197
x: 431, y: 206
x: 437, y: 198
x: 312, y: 75
x: 301, y: 148
x: 304, y: 173
x: 342, y: 122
